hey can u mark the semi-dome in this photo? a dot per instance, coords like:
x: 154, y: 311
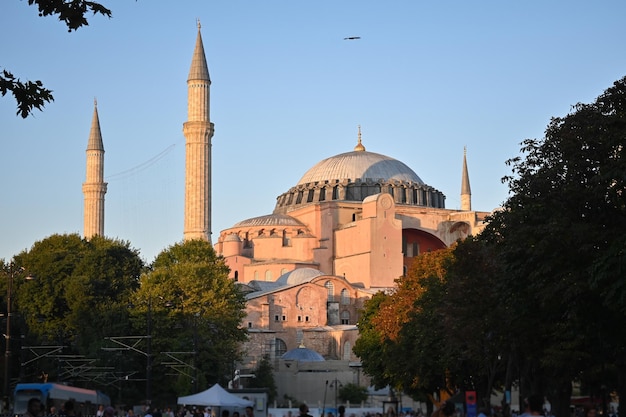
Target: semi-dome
x: 303, y: 354
x: 298, y: 276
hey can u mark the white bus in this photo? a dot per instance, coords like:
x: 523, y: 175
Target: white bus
x: 86, y: 401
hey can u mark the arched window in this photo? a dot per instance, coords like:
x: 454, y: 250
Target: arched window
x: 256, y: 275
x: 280, y: 347
x: 345, y: 297
x: 331, y: 290
x: 345, y: 317
x: 268, y: 275
x: 236, y: 275
x: 347, y: 351
x: 283, y: 271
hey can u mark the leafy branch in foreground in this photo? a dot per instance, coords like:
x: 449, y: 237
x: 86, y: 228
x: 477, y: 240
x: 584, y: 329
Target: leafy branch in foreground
x: 29, y: 94
x: 72, y: 12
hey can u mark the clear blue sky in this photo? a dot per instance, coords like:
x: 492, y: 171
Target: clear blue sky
x: 426, y: 79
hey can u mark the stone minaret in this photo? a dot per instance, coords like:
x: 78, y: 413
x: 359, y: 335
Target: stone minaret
x: 94, y: 187
x: 466, y: 191
x: 198, y: 131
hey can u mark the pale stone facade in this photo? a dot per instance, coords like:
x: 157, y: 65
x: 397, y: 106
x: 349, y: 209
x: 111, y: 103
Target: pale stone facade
x: 350, y: 227
x: 94, y: 187
x: 304, y: 307
x: 370, y: 242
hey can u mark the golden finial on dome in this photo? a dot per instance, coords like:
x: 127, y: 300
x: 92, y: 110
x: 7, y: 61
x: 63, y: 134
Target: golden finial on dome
x: 359, y: 146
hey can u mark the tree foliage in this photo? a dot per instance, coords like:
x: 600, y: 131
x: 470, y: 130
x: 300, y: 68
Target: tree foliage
x: 70, y: 12
x: 408, y: 324
x: 353, y: 393
x: 78, y: 296
x: 538, y: 295
x: 264, y: 378
x: 31, y: 95
x: 194, y: 308
x: 561, y: 238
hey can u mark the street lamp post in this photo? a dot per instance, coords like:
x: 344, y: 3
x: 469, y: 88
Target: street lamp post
x: 195, y: 352
x: 7, y: 350
x: 336, y: 384
x: 149, y: 355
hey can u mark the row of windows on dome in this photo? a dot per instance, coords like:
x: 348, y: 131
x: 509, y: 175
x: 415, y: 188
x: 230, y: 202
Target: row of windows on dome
x: 413, y: 194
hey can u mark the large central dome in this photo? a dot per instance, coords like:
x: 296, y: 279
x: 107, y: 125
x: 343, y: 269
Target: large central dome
x: 356, y: 175
x: 360, y: 165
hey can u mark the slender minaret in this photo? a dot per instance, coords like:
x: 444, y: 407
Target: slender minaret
x: 466, y: 192
x: 94, y: 187
x: 198, y: 131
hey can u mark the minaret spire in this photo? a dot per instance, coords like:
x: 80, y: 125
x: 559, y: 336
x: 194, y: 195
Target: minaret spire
x: 198, y: 131
x: 94, y: 187
x: 466, y: 191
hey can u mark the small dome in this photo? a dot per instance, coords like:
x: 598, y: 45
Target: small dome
x: 303, y: 354
x: 232, y: 238
x: 270, y: 220
x: 298, y: 276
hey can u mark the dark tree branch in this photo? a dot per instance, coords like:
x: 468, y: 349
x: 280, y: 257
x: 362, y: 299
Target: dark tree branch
x: 29, y: 95
x: 72, y: 12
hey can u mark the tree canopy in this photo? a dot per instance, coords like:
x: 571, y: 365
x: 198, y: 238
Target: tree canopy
x: 560, y: 237
x: 538, y: 295
x: 182, y: 311
x: 31, y: 95
x: 195, y: 308
x: 77, y: 297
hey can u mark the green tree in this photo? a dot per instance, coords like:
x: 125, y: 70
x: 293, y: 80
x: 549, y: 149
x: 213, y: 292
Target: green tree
x: 371, y: 346
x: 478, y: 321
x: 410, y: 323
x: 560, y: 235
x: 31, y: 95
x: 78, y: 295
x: 264, y: 378
x: 353, y: 393
x: 194, y: 308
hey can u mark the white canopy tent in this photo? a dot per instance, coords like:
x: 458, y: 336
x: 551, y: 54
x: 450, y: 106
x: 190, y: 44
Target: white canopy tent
x: 216, y: 396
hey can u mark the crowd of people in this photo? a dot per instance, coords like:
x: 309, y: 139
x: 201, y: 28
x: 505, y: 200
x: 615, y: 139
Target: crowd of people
x: 533, y: 406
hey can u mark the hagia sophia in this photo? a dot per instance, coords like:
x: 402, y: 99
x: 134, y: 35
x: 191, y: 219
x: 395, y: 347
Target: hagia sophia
x: 348, y: 228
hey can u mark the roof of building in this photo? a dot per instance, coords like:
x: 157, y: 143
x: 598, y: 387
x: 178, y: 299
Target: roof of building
x: 303, y: 354
x: 95, y: 134
x: 199, y: 69
x: 299, y: 276
x: 232, y: 237
x: 270, y: 220
x: 360, y: 165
